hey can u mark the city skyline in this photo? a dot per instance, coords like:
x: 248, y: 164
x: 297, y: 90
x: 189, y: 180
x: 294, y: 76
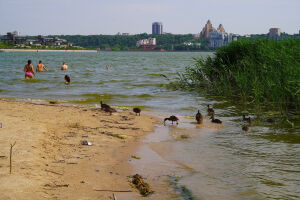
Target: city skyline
x: 70, y: 17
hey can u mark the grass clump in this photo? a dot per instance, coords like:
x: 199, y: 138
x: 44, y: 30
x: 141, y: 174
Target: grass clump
x: 263, y: 71
x: 184, y: 136
x: 136, y: 157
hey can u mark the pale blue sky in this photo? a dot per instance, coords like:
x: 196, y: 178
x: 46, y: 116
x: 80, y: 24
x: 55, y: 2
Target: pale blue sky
x: 33, y: 17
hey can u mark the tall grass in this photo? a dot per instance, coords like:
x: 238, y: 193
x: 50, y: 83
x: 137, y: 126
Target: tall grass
x: 262, y: 71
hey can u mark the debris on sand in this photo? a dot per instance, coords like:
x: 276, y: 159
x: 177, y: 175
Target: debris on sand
x: 123, y: 137
x: 56, y: 185
x: 139, y: 183
x: 84, y: 142
x: 135, y: 157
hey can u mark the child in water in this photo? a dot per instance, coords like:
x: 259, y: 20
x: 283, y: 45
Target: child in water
x: 67, y: 79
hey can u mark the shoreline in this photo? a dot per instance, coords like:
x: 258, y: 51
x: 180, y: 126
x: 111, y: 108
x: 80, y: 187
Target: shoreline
x: 47, y: 50
x: 49, y: 160
x: 90, y: 51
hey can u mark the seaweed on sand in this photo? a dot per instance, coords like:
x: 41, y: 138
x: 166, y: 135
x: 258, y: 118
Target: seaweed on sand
x: 142, y: 186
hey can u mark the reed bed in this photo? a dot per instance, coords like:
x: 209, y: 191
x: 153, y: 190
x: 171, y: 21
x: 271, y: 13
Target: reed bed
x: 261, y: 71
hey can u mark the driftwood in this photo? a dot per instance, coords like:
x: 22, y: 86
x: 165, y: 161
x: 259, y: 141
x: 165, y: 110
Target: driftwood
x: 143, y: 187
x: 52, y: 172
x: 56, y: 185
x: 10, y: 156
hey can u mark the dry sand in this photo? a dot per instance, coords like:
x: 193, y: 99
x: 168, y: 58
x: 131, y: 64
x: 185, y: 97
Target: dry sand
x: 49, y: 161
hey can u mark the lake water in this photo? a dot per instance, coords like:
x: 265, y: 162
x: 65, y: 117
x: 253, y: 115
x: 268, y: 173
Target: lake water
x: 214, y: 162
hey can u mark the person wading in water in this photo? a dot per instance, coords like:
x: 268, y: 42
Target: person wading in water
x: 28, y: 69
x: 40, y: 67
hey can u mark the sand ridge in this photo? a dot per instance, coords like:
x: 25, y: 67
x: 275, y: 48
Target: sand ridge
x: 49, y: 161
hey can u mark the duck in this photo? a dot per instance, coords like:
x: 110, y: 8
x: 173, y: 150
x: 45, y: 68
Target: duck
x: 247, y: 119
x: 270, y: 120
x: 245, y: 128
x: 103, y: 105
x: 109, y: 110
x: 137, y: 111
x: 199, y: 117
x: 213, y: 120
x: 210, y: 111
x: 171, y: 118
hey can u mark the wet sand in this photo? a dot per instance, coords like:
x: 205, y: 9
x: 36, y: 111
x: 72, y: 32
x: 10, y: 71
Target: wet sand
x: 49, y: 161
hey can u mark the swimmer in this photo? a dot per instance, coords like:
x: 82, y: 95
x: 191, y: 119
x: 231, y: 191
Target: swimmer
x: 107, y: 67
x: 40, y: 67
x: 29, y: 71
x: 64, y: 66
x: 67, y: 79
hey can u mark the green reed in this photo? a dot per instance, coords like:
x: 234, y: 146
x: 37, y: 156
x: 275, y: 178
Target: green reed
x: 263, y: 71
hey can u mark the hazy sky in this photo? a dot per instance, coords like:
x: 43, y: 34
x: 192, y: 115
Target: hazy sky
x: 85, y: 17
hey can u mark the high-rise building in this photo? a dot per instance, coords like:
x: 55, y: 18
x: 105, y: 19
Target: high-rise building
x: 221, y: 28
x: 206, y: 30
x: 274, y: 33
x: 218, y: 39
x: 157, y: 28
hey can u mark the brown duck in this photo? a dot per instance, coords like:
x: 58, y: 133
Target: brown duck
x: 213, y: 120
x: 245, y: 128
x: 103, y: 105
x: 210, y: 111
x: 172, y: 118
x: 109, y: 110
x: 199, y: 118
x: 137, y: 111
x: 247, y: 119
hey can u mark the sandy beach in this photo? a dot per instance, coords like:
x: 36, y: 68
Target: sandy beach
x: 49, y: 161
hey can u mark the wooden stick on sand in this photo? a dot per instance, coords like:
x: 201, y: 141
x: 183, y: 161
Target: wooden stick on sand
x: 10, y: 161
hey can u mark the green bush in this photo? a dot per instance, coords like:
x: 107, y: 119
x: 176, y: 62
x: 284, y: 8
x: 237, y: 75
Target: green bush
x: 261, y: 71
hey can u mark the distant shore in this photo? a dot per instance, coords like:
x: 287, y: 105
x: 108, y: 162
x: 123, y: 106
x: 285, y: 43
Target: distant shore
x: 44, y: 50
x: 88, y: 51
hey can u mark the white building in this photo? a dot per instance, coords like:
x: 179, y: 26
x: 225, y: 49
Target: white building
x: 16, y: 33
x: 149, y: 41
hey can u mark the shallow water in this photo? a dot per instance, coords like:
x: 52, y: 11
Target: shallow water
x: 213, y: 162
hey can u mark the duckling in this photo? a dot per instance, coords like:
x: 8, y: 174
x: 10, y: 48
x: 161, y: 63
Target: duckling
x: 213, y: 120
x: 109, y: 110
x: 137, y: 111
x: 171, y: 118
x: 270, y: 120
x: 245, y: 128
x: 199, y: 117
x: 210, y: 111
x: 247, y: 119
x: 103, y: 105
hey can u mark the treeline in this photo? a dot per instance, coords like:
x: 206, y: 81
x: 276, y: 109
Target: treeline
x: 125, y: 42
x: 283, y: 36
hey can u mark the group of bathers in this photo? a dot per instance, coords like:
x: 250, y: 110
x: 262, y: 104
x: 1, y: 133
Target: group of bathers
x: 29, y: 71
